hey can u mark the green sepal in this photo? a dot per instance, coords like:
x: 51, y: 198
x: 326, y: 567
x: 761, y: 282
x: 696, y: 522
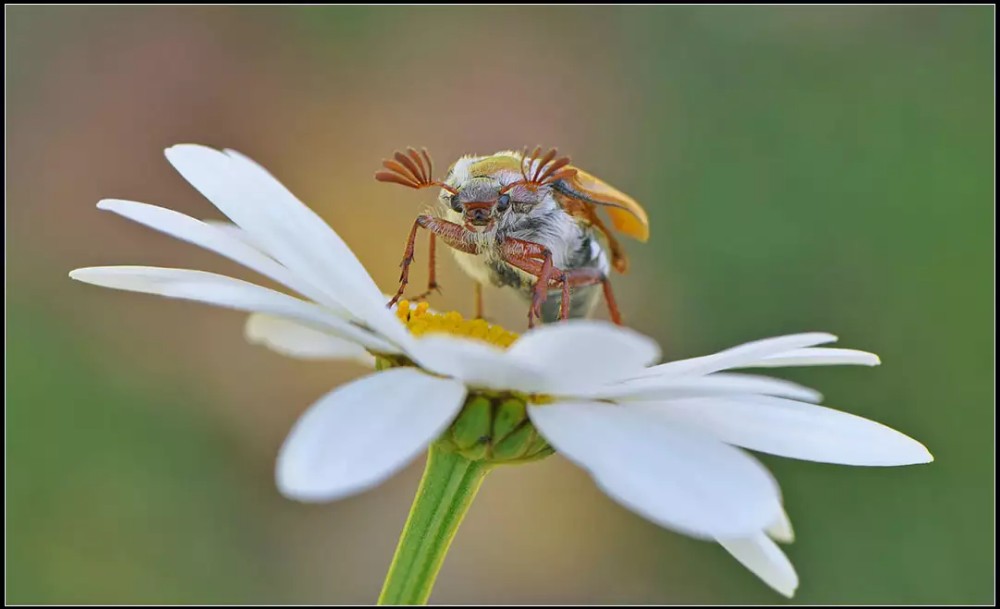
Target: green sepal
x: 471, y: 430
x: 539, y: 447
x: 515, y: 445
x: 510, y: 413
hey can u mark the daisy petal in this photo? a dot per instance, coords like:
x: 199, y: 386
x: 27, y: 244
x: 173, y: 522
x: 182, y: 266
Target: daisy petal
x: 293, y: 339
x: 679, y: 479
x: 212, y: 238
x: 364, y: 432
x: 793, y: 429
x: 478, y: 364
x: 739, y: 356
x: 817, y: 356
x: 766, y: 560
x: 275, y: 224
x: 226, y: 292
x: 325, y: 242
x: 581, y: 351
x: 289, y: 231
x: 237, y: 233
x: 781, y: 530
x: 718, y: 384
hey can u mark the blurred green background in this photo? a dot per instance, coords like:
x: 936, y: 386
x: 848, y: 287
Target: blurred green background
x: 804, y: 169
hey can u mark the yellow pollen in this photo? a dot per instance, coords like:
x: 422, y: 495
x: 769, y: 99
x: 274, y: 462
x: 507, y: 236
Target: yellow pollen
x: 421, y: 320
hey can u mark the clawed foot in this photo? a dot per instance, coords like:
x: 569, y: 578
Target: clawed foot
x: 537, y: 299
x: 404, y: 278
x: 434, y: 287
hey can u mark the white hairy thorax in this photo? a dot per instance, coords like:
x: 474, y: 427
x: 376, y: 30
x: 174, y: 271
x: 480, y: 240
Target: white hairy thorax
x: 544, y: 222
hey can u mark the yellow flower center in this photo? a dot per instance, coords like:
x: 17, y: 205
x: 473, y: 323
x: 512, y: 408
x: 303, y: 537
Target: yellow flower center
x: 420, y: 320
x: 493, y: 426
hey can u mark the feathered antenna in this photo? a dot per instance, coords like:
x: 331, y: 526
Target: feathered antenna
x: 538, y: 171
x: 413, y: 170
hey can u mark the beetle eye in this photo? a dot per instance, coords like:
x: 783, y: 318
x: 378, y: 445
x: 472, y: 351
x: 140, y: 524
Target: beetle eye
x: 503, y: 202
x: 455, y: 204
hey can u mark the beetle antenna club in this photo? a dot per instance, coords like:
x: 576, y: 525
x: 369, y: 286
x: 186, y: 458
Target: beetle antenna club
x: 414, y: 170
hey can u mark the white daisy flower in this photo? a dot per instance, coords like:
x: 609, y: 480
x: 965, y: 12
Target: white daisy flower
x: 663, y: 440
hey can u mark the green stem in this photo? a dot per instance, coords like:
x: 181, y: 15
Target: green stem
x: 449, y: 485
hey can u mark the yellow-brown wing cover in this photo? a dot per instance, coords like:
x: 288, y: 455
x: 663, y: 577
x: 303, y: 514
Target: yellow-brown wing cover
x: 626, y: 214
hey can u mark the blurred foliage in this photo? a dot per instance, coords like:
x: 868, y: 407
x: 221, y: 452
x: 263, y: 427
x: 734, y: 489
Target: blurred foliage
x: 805, y: 168
x: 122, y: 491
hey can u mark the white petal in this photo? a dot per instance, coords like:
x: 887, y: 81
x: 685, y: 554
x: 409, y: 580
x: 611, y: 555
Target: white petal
x: 718, y: 384
x: 739, y: 356
x: 331, y: 255
x: 817, y: 356
x: 781, y: 529
x: 793, y: 429
x: 677, y: 478
x: 362, y: 433
x: 226, y: 292
x: 293, y: 339
x: 237, y: 233
x: 766, y: 560
x: 477, y: 363
x: 212, y: 238
x: 580, y: 351
x: 288, y: 230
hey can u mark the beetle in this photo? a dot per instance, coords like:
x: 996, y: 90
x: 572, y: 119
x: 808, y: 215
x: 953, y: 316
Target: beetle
x: 523, y: 220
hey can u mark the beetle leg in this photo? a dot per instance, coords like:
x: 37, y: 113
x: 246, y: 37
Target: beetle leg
x: 541, y: 292
x: 564, y: 303
x: 609, y: 297
x: 478, y: 288
x: 432, y: 284
x: 535, y: 259
x: 404, y: 275
x: 525, y: 256
x: 618, y: 258
x: 583, y: 277
x: 539, y: 269
x: 452, y: 234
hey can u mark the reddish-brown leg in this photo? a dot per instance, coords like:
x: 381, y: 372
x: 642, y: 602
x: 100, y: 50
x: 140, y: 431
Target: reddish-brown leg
x: 618, y: 258
x: 564, y: 304
x: 452, y: 234
x: 609, y: 296
x: 537, y: 260
x: 432, y: 284
x: 479, y: 300
x: 404, y: 275
x: 525, y: 256
x: 583, y: 277
x: 545, y: 276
